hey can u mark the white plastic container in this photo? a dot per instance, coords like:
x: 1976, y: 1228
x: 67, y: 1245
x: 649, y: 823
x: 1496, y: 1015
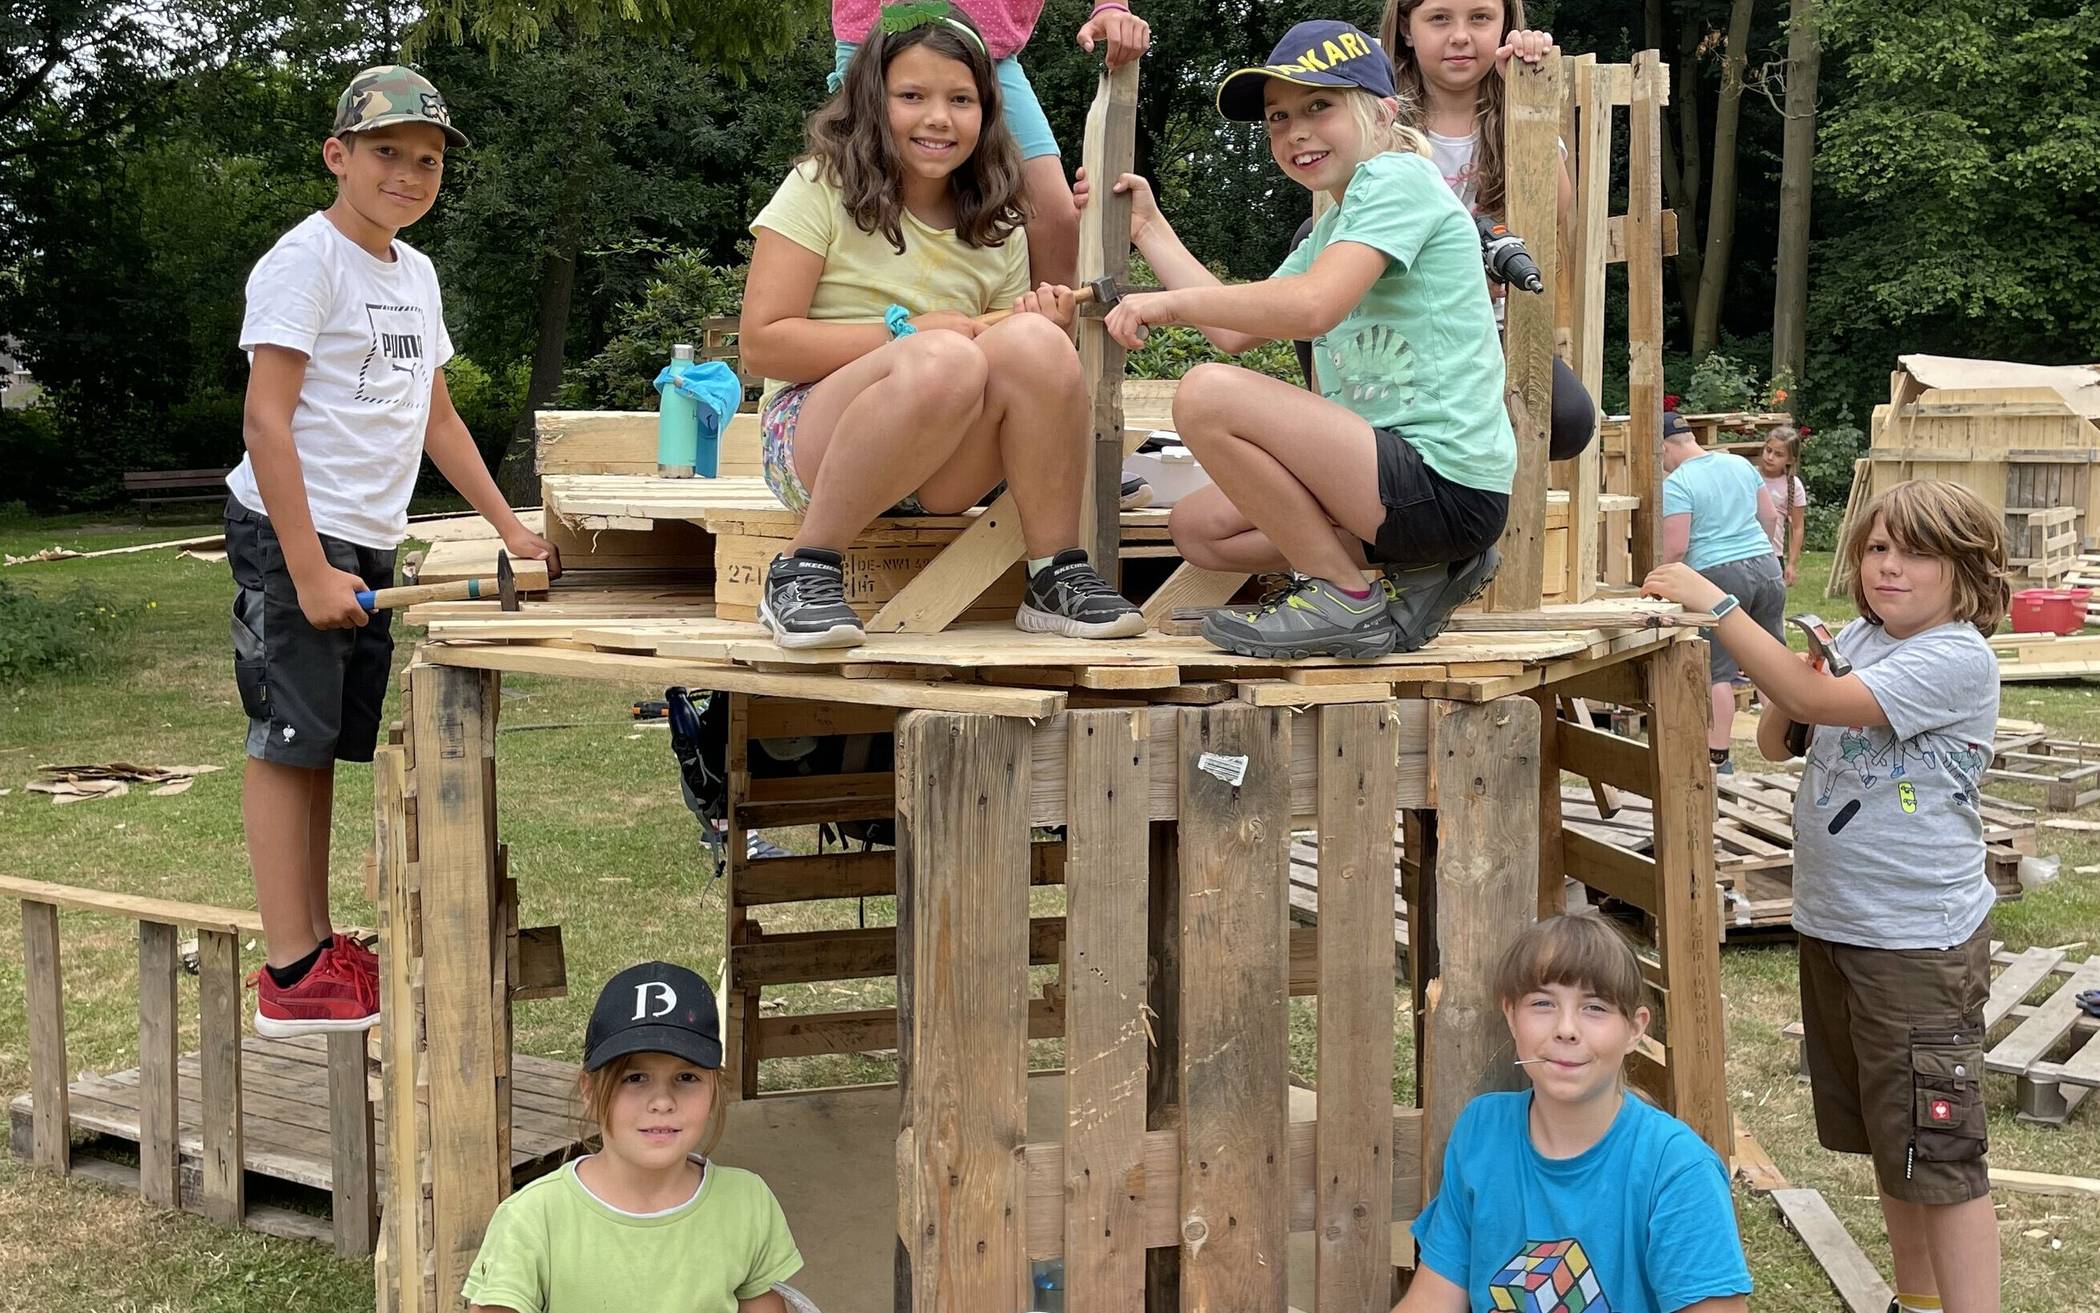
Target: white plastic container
x: 1172, y: 471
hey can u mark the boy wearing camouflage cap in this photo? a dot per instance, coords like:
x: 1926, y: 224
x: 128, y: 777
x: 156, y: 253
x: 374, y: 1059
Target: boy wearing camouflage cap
x: 346, y: 394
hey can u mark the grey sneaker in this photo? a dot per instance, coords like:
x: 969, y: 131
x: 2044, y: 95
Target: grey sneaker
x: 1069, y: 597
x: 804, y: 601
x: 1422, y: 599
x: 1306, y: 617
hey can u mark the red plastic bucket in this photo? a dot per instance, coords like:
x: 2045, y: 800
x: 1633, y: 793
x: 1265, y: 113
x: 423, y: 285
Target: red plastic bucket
x: 2049, y: 610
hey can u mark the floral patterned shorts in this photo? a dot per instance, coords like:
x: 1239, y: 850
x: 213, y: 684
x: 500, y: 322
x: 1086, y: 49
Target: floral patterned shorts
x: 777, y: 452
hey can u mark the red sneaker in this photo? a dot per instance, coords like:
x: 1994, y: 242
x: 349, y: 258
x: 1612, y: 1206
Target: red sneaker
x: 334, y: 995
x: 353, y: 948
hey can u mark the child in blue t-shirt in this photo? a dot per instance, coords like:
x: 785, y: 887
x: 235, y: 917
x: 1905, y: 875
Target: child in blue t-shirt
x: 1577, y: 1185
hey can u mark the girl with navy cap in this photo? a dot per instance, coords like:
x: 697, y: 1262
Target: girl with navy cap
x: 649, y: 1223
x: 1403, y: 462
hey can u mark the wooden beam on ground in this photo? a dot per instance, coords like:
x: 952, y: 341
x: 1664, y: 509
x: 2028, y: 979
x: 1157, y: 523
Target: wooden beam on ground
x: 160, y: 1160
x: 1532, y: 162
x: 1858, y: 1283
x: 1359, y: 794
x: 50, y: 1130
x: 2045, y: 1183
x: 1105, y: 1183
x: 1644, y: 369
x: 1486, y: 876
x: 1235, y: 1020
x: 1109, y: 151
x: 1686, y: 917
x: 450, y: 709
x: 962, y: 860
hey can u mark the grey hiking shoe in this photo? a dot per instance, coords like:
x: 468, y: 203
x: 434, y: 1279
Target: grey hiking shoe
x: 1306, y: 617
x: 804, y: 601
x: 1069, y: 597
x: 1422, y: 599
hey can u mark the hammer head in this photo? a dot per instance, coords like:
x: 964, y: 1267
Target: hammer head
x: 1101, y: 291
x: 506, y: 582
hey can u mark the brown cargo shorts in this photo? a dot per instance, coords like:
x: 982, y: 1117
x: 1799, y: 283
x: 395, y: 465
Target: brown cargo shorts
x: 1895, y: 1061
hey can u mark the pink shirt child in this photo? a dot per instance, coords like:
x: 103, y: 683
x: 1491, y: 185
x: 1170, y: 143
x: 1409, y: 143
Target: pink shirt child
x: 1006, y: 24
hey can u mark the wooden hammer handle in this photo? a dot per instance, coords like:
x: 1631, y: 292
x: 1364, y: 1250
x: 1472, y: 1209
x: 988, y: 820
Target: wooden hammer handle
x: 393, y: 599
x: 1083, y: 296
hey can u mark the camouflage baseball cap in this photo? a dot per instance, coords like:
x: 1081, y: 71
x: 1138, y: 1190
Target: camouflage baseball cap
x: 393, y: 93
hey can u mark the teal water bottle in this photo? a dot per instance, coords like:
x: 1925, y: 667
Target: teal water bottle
x: 677, y: 424
x: 1049, y: 1283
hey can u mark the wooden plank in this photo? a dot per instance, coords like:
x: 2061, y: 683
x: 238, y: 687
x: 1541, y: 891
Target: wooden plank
x: 406, y: 1210
x: 1532, y: 161
x: 1359, y: 795
x: 353, y: 1177
x: 160, y: 911
x: 2017, y: 981
x: 2045, y: 1183
x: 1855, y: 1278
x: 1108, y: 150
x: 1606, y: 757
x: 160, y: 1162
x: 1234, y: 1050
x: 1105, y: 1184
x: 1585, y: 480
x: 2032, y: 1039
x: 1485, y: 877
x: 643, y: 671
x: 1687, y: 917
x: 45, y: 991
x: 1644, y: 378
x: 1190, y: 587
x: 1160, y: 1220
x: 953, y: 581
x: 962, y: 861
x: 219, y: 1074
x: 1611, y: 870
x: 454, y: 804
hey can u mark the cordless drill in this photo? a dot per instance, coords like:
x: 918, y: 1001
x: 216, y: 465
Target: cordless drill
x: 1507, y: 259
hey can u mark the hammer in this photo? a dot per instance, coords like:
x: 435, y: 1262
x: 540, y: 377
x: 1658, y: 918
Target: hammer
x: 1103, y: 292
x: 504, y: 587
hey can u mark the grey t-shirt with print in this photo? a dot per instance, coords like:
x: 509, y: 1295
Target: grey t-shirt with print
x: 1888, y: 844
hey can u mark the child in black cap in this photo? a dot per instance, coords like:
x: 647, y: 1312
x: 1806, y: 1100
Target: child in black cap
x: 1404, y: 462
x: 648, y: 1224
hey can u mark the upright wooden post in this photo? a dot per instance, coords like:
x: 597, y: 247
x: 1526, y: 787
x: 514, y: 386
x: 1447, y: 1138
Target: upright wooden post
x: 454, y: 810
x: 1487, y: 782
x: 1163, y: 999
x: 1532, y: 156
x: 1644, y: 368
x: 1109, y: 152
x: 1592, y: 151
x: 354, y: 1207
x: 407, y: 1214
x: 1359, y: 791
x: 160, y: 1162
x: 50, y: 1129
x: 962, y: 862
x: 1235, y: 1020
x: 219, y: 1084
x: 1688, y: 929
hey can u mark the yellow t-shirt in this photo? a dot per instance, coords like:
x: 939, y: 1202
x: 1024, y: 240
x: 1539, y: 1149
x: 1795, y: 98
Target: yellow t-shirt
x: 864, y: 275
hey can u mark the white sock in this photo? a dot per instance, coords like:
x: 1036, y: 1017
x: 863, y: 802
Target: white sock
x: 1037, y: 564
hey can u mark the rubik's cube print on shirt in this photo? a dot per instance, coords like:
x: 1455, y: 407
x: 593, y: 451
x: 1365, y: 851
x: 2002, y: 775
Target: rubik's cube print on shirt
x: 1549, y: 1276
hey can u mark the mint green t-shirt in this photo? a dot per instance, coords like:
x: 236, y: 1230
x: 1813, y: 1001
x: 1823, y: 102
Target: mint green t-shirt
x: 554, y: 1247
x: 1419, y: 354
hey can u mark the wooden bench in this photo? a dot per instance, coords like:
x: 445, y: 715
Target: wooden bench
x: 152, y: 487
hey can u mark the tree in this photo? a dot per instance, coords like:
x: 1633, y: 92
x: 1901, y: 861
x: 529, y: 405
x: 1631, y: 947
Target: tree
x: 1720, y: 210
x: 1796, y: 189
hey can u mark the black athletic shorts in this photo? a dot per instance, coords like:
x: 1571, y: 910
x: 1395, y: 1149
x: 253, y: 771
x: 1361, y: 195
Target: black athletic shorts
x: 313, y: 696
x: 1429, y: 520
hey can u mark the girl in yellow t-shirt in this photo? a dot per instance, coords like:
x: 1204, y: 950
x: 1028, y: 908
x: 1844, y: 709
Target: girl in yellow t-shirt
x: 873, y: 261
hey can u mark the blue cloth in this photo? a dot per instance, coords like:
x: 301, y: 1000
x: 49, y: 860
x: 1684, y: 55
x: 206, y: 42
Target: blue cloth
x: 1646, y: 1208
x: 1719, y: 491
x: 1023, y: 112
x: 711, y: 383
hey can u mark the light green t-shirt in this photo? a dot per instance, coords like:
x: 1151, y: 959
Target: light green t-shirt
x: 864, y: 275
x: 554, y: 1247
x: 1419, y: 354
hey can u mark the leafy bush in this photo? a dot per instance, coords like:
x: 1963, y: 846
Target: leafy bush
x: 70, y: 633
x: 36, y: 459
x: 1826, y: 471
x: 1172, y: 352
x: 488, y: 404
x: 1720, y: 383
x: 685, y: 292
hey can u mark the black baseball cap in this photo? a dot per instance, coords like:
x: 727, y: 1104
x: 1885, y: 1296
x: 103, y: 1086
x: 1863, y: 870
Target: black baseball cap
x: 1673, y: 424
x: 1321, y: 52
x: 654, y: 1008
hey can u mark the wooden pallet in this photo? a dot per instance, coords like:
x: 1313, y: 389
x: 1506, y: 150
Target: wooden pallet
x: 1305, y: 890
x: 2029, y: 657
x: 2067, y: 770
x: 2047, y: 1089
x: 284, y: 1118
x: 2054, y: 543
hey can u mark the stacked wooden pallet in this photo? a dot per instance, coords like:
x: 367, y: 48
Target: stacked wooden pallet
x: 2028, y: 657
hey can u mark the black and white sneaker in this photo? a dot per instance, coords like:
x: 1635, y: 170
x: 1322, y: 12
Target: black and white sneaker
x: 1136, y: 494
x: 804, y: 601
x: 1068, y: 597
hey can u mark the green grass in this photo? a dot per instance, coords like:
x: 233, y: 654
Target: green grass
x: 601, y: 844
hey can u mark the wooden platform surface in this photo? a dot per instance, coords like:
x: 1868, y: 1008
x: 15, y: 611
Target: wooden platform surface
x: 284, y: 1110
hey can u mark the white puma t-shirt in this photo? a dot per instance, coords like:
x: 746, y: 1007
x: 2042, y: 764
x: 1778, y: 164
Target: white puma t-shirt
x: 373, y: 332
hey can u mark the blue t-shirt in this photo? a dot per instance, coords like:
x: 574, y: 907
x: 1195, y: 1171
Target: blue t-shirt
x: 1641, y: 1220
x: 1719, y: 490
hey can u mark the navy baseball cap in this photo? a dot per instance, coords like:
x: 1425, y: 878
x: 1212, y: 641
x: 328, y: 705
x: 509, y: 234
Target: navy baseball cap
x: 1321, y: 52
x: 1673, y: 424
x: 654, y: 1008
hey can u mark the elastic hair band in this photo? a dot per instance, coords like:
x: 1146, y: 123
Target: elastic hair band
x: 921, y: 13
